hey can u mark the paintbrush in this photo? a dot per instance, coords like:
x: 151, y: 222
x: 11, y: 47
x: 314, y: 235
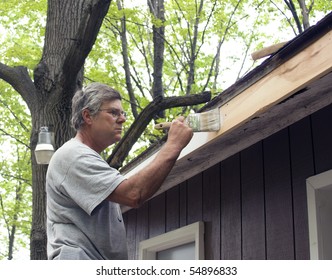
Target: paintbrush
x: 205, y: 121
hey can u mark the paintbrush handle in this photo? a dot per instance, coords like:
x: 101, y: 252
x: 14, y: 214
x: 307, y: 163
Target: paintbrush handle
x: 164, y: 125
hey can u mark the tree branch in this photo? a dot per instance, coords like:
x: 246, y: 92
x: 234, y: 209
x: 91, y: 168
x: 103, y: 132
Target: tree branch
x: 4, y: 103
x: 18, y: 77
x: 14, y: 137
x: 122, y: 149
x: 292, y: 8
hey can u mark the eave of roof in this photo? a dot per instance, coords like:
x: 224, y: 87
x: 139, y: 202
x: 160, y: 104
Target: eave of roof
x: 291, y: 84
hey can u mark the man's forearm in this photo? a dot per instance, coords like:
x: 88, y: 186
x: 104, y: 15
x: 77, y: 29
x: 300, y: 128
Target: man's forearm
x: 149, y: 180
x: 143, y: 185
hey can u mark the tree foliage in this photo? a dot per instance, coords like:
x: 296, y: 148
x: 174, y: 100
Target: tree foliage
x: 15, y: 176
x: 165, y: 57
x: 21, y: 39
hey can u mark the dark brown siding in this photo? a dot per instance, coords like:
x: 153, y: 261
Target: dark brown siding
x: 302, y: 166
x: 230, y: 209
x: 211, y: 212
x: 253, y: 204
x: 278, y: 197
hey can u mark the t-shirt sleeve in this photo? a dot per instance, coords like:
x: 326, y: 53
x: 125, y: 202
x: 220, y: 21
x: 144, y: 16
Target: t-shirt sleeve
x: 90, y: 180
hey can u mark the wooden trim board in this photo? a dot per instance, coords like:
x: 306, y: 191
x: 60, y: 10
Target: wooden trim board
x: 288, y: 78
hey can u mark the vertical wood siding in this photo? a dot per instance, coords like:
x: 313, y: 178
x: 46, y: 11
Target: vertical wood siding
x: 253, y: 204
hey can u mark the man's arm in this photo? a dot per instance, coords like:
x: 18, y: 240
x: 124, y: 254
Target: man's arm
x: 144, y: 184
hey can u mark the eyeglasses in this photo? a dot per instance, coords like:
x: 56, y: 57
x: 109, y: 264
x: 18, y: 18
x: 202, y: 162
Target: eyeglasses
x: 114, y: 113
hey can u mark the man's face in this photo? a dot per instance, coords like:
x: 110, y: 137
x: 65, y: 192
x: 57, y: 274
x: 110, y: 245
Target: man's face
x: 106, y: 127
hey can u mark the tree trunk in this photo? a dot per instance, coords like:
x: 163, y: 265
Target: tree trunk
x: 158, y: 11
x: 126, y: 64
x: 71, y: 30
x: 193, y: 50
x: 305, y: 14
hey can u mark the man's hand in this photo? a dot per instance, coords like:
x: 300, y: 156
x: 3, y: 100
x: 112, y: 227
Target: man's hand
x: 179, y: 134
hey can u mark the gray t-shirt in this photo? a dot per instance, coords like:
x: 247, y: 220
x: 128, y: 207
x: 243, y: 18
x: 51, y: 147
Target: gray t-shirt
x: 81, y: 223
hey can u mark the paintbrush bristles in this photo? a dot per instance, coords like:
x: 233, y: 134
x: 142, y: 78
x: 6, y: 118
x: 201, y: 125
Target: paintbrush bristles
x: 205, y: 121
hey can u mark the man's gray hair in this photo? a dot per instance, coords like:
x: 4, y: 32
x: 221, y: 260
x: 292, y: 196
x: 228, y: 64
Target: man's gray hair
x: 91, y: 97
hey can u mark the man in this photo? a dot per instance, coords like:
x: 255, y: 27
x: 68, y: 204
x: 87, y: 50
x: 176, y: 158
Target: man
x: 84, y: 219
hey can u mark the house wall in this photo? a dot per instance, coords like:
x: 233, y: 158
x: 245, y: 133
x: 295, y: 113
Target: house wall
x: 253, y: 204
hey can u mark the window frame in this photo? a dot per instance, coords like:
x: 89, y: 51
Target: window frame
x: 315, y: 184
x: 191, y: 233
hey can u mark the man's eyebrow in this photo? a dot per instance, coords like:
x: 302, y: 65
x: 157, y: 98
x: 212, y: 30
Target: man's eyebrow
x: 112, y: 108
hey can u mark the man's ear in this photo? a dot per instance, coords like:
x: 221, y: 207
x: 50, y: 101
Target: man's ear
x: 87, y: 116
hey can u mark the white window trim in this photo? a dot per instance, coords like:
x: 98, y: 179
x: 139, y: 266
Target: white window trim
x: 315, y: 183
x: 192, y: 233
